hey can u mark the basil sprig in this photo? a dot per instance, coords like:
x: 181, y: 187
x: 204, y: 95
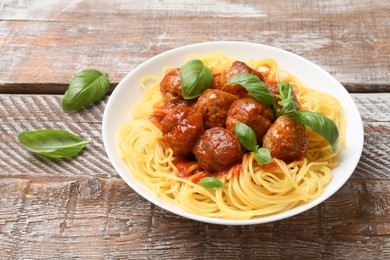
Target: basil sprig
x: 195, y: 79
x: 53, y: 143
x: 87, y: 87
x: 247, y: 138
x: 254, y: 86
x: 287, y: 102
x: 211, y: 183
x: 319, y: 123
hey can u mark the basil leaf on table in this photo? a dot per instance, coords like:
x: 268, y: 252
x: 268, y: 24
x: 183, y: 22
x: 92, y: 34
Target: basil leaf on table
x: 253, y: 85
x: 195, y: 79
x: 211, y: 183
x: 53, y: 143
x: 263, y: 156
x: 246, y: 136
x: 87, y: 87
x: 319, y: 123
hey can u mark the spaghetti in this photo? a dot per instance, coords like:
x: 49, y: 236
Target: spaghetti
x: 251, y: 191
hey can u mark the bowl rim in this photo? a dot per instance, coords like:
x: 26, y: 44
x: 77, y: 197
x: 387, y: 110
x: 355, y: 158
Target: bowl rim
x: 143, y: 191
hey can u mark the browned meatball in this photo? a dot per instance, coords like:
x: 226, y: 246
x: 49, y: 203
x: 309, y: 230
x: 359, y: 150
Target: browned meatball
x: 286, y: 139
x: 170, y: 87
x: 237, y: 67
x: 273, y: 87
x: 213, y: 104
x: 181, y: 128
x: 217, y: 150
x: 249, y: 111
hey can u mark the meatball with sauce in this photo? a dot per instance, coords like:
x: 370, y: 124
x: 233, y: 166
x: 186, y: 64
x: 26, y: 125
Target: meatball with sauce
x: 170, y: 87
x: 181, y: 128
x: 249, y: 111
x: 235, y: 89
x: 286, y: 139
x: 213, y: 104
x: 273, y: 87
x: 217, y: 150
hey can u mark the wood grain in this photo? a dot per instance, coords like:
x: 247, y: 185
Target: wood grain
x: 104, y: 218
x: 48, y: 42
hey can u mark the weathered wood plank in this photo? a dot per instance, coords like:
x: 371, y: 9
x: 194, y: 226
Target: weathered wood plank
x: 26, y: 113
x: 104, y: 218
x: 46, y: 43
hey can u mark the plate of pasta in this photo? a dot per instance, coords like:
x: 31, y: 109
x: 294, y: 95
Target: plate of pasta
x: 232, y: 133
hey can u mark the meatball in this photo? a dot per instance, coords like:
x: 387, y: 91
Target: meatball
x: 286, y: 139
x: 181, y: 128
x: 170, y: 87
x: 237, y: 67
x: 217, y: 150
x: 249, y: 111
x: 273, y: 87
x: 213, y: 104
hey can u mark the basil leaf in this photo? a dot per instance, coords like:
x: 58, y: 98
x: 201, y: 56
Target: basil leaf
x: 211, y: 183
x: 87, y: 87
x: 285, y: 90
x: 287, y: 101
x: 263, y: 156
x: 319, y: 123
x: 246, y: 136
x: 195, y: 79
x: 288, y: 106
x: 53, y: 143
x: 254, y: 86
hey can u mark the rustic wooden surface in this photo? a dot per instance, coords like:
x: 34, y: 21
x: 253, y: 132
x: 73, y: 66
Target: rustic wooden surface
x: 81, y: 208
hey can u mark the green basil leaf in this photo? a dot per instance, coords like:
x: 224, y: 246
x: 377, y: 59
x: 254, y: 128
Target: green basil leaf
x: 287, y: 101
x: 87, y: 87
x: 319, y: 123
x: 253, y: 85
x: 211, y: 183
x: 285, y: 91
x: 195, y: 79
x: 263, y: 156
x: 288, y: 106
x: 53, y: 143
x: 246, y: 136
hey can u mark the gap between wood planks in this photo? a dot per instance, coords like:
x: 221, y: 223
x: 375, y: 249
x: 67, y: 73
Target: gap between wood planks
x: 39, y: 88
x: 60, y: 88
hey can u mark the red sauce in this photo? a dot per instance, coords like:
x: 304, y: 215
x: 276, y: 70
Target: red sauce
x: 272, y: 167
x: 158, y: 114
x: 197, y: 177
x: 186, y: 168
x: 189, y: 170
x: 236, y: 170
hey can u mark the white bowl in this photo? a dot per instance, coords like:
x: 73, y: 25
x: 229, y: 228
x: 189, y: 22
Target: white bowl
x: 128, y: 91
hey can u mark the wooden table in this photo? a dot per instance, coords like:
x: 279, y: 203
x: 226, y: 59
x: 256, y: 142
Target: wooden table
x: 81, y: 208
